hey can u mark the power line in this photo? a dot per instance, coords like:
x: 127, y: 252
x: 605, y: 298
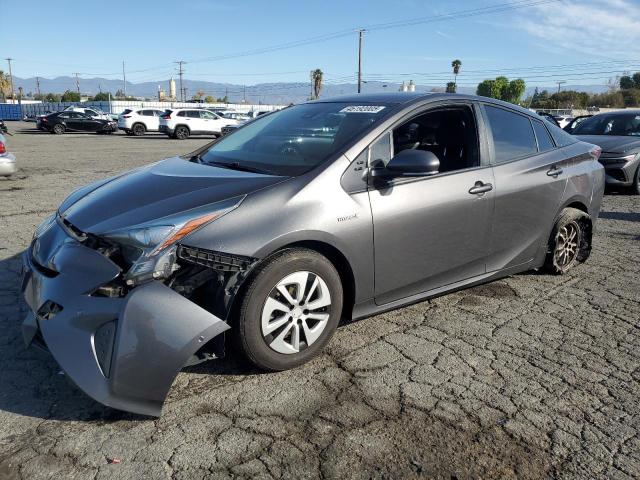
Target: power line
x: 497, y: 8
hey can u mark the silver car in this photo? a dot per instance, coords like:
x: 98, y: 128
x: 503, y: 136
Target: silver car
x: 7, y: 159
x: 324, y: 211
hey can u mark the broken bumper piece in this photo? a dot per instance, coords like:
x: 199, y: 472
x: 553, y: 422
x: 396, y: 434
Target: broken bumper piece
x: 122, y: 352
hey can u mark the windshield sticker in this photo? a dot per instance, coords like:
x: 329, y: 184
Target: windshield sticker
x: 362, y: 109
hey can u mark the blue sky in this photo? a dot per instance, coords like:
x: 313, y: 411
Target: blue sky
x: 58, y: 38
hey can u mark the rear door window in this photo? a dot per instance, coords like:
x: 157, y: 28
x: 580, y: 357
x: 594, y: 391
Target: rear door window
x: 512, y: 133
x: 193, y: 114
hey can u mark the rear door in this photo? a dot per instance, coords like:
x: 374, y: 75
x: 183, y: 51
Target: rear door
x: 73, y: 120
x: 196, y: 125
x: 530, y: 179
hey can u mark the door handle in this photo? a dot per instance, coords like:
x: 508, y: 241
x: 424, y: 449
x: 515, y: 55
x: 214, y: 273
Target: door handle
x: 554, y: 171
x: 480, y: 187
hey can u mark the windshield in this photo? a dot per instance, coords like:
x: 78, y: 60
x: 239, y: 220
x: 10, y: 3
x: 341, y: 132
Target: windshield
x: 625, y: 124
x: 296, y: 139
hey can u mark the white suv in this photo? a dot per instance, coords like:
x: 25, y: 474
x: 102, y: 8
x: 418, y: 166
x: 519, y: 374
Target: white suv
x: 138, y: 122
x: 181, y: 123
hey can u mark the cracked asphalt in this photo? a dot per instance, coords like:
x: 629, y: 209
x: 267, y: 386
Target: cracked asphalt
x: 532, y: 376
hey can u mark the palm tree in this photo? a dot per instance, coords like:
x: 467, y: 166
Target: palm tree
x: 316, y: 77
x: 5, y: 85
x: 456, y: 64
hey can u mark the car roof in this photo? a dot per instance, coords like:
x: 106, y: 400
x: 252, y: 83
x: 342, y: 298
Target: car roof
x: 409, y: 98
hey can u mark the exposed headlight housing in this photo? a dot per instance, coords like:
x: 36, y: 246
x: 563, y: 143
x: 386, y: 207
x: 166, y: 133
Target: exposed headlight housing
x: 151, y: 247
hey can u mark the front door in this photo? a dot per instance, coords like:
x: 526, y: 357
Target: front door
x: 432, y: 231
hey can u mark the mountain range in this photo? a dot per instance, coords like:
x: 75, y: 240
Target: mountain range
x: 268, y: 93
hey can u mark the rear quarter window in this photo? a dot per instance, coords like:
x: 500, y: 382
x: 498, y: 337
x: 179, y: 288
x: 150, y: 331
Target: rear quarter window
x: 544, y: 139
x: 561, y: 137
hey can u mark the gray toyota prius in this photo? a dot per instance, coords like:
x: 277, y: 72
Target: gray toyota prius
x: 328, y: 210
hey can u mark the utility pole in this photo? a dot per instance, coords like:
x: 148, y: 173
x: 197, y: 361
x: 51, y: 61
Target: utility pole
x: 10, y: 77
x: 77, y: 83
x: 181, y: 73
x: 38, y: 85
x: 124, y: 81
x: 245, y: 93
x: 360, y: 33
x: 559, y: 82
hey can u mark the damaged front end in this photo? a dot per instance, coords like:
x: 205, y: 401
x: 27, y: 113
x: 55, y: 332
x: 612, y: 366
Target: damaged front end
x: 123, y: 316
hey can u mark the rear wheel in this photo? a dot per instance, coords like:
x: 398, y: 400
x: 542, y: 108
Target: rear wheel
x: 139, y: 129
x: 290, y: 309
x: 570, y: 241
x: 58, y: 129
x: 181, y: 133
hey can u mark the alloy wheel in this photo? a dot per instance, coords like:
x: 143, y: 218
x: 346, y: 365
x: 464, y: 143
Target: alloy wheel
x: 296, y: 312
x: 567, y: 244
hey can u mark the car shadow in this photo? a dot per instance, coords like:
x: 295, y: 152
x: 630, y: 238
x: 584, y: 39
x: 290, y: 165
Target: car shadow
x: 624, y: 216
x: 33, y: 385
x: 166, y: 137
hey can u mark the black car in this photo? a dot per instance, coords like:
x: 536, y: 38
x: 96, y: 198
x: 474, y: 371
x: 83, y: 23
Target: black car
x: 3, y: 127
x: 61, y: 122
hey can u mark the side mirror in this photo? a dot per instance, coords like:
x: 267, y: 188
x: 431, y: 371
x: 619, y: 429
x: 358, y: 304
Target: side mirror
x: 409, y: 163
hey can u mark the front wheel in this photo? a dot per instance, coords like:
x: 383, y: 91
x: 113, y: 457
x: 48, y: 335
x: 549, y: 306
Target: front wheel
x: 139, y: 129
x: 290, y: 309
x: 570, y: 241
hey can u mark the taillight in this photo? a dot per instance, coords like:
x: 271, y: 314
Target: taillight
x: 126, y: 116
x: 44, y: 119
x: 166, y: 117
x: 3, y: 149
x: 595, y: 152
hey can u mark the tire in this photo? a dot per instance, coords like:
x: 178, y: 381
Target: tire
x: 58, y: 129
x: 570, y: 241
x: 181, y: 132
x: 138, y: 129
x: 274, y: 349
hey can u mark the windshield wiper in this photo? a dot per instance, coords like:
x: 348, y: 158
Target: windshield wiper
x: 241, y: 168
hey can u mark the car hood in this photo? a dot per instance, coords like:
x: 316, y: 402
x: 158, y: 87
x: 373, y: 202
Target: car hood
x: 612, y: 143
x: 165, y: 188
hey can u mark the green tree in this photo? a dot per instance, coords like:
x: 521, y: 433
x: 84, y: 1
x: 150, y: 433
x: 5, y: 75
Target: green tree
x: 69, y: 96
x: 451, y: 87
x: 485, y: 88
x: 316, y: 78
x: 209, y: 99
x: 52, y: 97
x: 626, y: 82
x: 636, y: 80
x: 456, y: 64
x: 5, y: 85
x: 513, y: 91
x: 101, y: 97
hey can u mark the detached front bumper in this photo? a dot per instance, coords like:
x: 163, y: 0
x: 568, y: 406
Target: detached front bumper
x: 122, y: 352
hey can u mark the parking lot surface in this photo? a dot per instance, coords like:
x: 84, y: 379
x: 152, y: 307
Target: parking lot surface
x: 531, y: 376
